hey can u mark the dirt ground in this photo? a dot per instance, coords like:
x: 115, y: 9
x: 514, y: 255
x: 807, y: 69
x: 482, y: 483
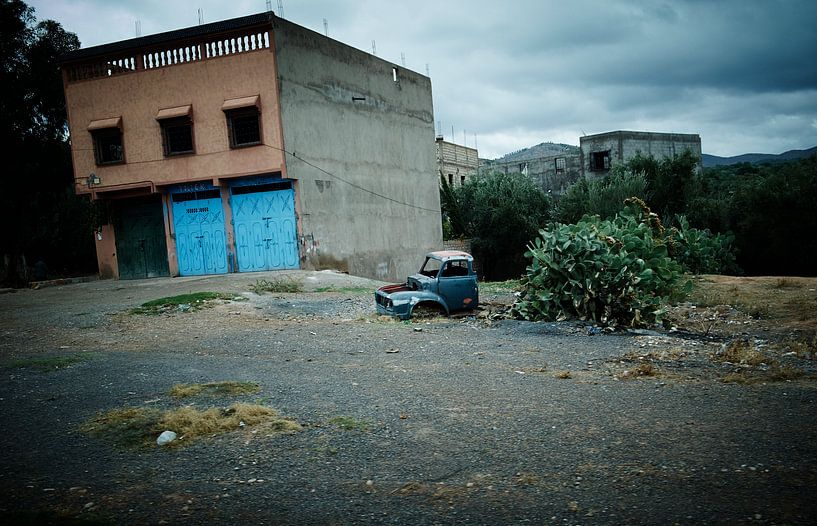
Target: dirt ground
x: 466, y: 420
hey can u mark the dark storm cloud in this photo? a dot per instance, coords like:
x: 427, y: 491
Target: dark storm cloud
x: 739, y: 72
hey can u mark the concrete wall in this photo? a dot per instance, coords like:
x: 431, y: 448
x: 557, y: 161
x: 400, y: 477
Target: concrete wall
x: 343, y: 112
x: 624, y: 145
x: 138, y: 96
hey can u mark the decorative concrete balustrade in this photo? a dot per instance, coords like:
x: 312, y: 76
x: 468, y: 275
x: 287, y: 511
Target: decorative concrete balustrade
x: 168, y: 55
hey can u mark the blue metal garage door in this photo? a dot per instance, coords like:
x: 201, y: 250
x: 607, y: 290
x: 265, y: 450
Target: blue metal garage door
x: 198, y: 220
x: 265, y: 226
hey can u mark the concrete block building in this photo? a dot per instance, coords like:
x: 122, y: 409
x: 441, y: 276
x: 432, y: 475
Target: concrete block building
x: 252, y: 144
x: 553, y: 173
x: 602, y: 150
x: 455, y: 162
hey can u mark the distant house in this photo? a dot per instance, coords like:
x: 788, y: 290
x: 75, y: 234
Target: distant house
x: 555, y: 171
x: 601, y: 151
x: 252, y: 144
x: 455, y: 162
x: 554, y: 167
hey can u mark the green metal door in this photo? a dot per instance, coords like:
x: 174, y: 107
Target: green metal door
x: 141, y: 250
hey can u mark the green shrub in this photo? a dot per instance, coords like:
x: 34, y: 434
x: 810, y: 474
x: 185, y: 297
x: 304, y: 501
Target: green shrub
x: 702, y: 252
x: 500, y: 213
x: 614, y: 272
x: 602, y: 197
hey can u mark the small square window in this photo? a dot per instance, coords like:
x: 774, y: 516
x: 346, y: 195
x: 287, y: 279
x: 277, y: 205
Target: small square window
x: 177, y: 136
x: 244, y: 127
x: 108, y: 146
x: 600, y: 161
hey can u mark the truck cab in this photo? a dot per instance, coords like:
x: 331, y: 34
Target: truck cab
x: 445, y: 282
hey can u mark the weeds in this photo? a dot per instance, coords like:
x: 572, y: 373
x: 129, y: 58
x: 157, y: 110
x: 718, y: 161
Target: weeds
x: 776, y: 373
x: 345, y: 290
x: 282, y: 284
x: 742, y: 352
x: 500, y: 287
x: 139, y: 427
x: 782, y: 283
x: 183, y: 303
x: 48, y: 364
x: 214, y: 389
x: 641, y: 370
x: 348, y: 423
x: 563, y: 375
x: 803, y: 349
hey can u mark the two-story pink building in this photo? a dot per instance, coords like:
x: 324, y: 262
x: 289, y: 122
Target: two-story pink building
x: 252, y: 144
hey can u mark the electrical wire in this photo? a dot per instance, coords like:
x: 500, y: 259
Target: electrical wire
x: 308, y: 163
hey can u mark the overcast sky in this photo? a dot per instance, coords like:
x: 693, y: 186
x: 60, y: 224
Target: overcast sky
x: 741, y: 73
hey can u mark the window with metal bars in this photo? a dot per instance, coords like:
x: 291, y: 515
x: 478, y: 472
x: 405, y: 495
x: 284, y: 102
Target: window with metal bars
x: 177, y: 136
x: 108, y: 146
x: 244, y: 127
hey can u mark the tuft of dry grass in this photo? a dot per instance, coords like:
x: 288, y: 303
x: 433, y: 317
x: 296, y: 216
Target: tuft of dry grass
x: 785, y: 373
x: 226, y: 388
x: 563, y: 375
x: 277, y: 285
x: 641, y: 370
x: 526, y: 479
x: 804, y: 349
x: 139, y: 427
x: 743, y: 352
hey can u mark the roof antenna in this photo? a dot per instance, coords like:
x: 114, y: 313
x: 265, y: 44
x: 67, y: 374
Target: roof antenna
x: 281, y: 8
x: 428, y: 71
x: 201, y: 16
x: 269, y: 6
x: 403, y: 58
x: 137, y: 28
x: 374, y: 48
x: 325, y: 27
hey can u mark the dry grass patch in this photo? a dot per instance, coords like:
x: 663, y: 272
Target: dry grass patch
x: 526, y: 479
x: 804, y: 349
x: 776, y: 373
x: 214, y: 389
x: 639, y: 371
x: 277, y: 285
x: 139, y: 427
x: 791, y: 302
x: 563, y: 375
x: 742, y: 352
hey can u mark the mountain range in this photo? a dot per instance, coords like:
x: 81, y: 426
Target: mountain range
x: 550, y: 148
x: 714, y: 160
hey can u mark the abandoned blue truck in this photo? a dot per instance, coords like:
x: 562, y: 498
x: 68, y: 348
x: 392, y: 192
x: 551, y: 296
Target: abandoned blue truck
x: 445, y: 283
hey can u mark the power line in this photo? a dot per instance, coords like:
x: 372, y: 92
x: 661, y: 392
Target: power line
x: 354, y: 185
x: 296, y: 156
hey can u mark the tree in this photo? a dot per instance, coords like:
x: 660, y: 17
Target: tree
x: 34, y: 130
x: 501, y: 213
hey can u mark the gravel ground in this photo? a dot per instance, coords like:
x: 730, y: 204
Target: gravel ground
x: 462, y: 420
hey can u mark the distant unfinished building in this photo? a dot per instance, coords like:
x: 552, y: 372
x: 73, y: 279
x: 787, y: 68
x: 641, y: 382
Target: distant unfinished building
x: 554, y: 167
x: 555, y: 171
x: 603, y: 150
x: 455, y: 162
